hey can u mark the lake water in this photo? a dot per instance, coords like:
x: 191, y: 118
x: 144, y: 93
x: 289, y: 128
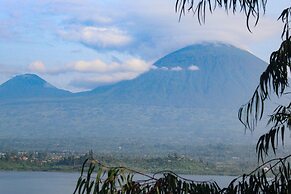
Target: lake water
x: 62, y: 183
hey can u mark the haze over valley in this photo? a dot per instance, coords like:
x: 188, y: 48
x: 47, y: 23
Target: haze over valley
x: 189, y: 98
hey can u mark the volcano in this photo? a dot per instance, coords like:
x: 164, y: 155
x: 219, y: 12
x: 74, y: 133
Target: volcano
x: 29, y: 86
x: 202, y: 75
x: 190, y: 97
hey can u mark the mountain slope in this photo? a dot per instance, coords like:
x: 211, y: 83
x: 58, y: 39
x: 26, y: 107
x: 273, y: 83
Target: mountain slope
x: 202, y: 75
x: 29, y: 86
x: 190, y: 97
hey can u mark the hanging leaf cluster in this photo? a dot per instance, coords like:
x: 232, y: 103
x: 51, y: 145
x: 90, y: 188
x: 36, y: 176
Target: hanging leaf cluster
x: 251, y: 8
x: 280, y: 120
x: 273, y: 81
x: 100, y: 179
x: 273, y: 176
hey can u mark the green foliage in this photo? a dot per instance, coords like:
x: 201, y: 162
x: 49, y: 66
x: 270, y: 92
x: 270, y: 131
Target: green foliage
x: 251, y: 8
x: 274, y: 80
x: 202, y: 160
x: 121, y: 180
x: 281, y: 120
x: 270, y: 177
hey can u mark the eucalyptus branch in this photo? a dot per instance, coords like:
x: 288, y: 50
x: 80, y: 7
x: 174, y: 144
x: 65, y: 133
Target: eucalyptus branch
x: 251, y: 8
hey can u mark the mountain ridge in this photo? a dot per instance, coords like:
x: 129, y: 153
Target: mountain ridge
x: 198, y: 75
x: 178, y: 107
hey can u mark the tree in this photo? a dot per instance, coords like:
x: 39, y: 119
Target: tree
x: 274, y: 80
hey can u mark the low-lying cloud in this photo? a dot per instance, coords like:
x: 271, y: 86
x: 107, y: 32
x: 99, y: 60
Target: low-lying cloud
x: 97, y: 37
x: 176, y: 68
x: 99, y: 66
x: 193, y: 68
x: 90, y: 74
x: 37, y: 66
x: 101, y: 79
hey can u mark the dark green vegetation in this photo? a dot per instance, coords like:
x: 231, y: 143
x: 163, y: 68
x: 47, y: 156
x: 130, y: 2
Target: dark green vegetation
x: 98, y: 178
x: 41, y: 161
x: 204, y: 160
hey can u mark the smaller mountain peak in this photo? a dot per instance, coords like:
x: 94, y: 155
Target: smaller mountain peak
x: 31, y: 79
x: 27, y: 76
x: 29, y: 85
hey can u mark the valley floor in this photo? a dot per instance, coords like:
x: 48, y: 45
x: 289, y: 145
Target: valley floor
x: 24, y: 161
x: 200, y: 160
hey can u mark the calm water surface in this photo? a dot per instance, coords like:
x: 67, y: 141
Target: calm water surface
x: 62, y: 183
x: 37, y: 182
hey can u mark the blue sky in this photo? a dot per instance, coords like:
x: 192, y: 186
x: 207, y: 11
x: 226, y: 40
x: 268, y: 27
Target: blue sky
x: 80, y: 44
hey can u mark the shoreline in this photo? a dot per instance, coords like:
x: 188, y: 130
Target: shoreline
x: 66, y: 169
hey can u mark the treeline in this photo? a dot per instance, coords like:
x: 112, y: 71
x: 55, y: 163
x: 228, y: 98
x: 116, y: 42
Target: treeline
x: 179, y: 163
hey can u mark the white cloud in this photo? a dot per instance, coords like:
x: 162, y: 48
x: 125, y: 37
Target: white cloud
x: 93, y: 66
x: 164, y: 68
x: 131, y: 64
x: 97, y: 37
x: 40, y: 68
x: 193, y: 68
x: 99, y: 66
x: 89, y: 82
x: 136, y: 65
x: 154, y: 67
x: 37, y: 66
x: 178, y: 68
x: 84, y: 75
x: 156, y: 30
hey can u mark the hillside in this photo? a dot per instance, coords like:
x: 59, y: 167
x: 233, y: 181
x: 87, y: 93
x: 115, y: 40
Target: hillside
x: 202, y: 75
x: 29, y: 86
x: 189, y: 98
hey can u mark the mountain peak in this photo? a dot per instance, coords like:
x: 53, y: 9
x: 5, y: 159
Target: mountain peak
x: 197, y: 55
x: 210, y: 44
x: 28, y: 76
x: 31, y: 80
x: 200, y: 75
x: 29, y: 86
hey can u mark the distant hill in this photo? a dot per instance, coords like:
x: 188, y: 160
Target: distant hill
x: 189, y: 98
x: 29, y: 86
x: 202, y: 75
x: 205, y: 75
